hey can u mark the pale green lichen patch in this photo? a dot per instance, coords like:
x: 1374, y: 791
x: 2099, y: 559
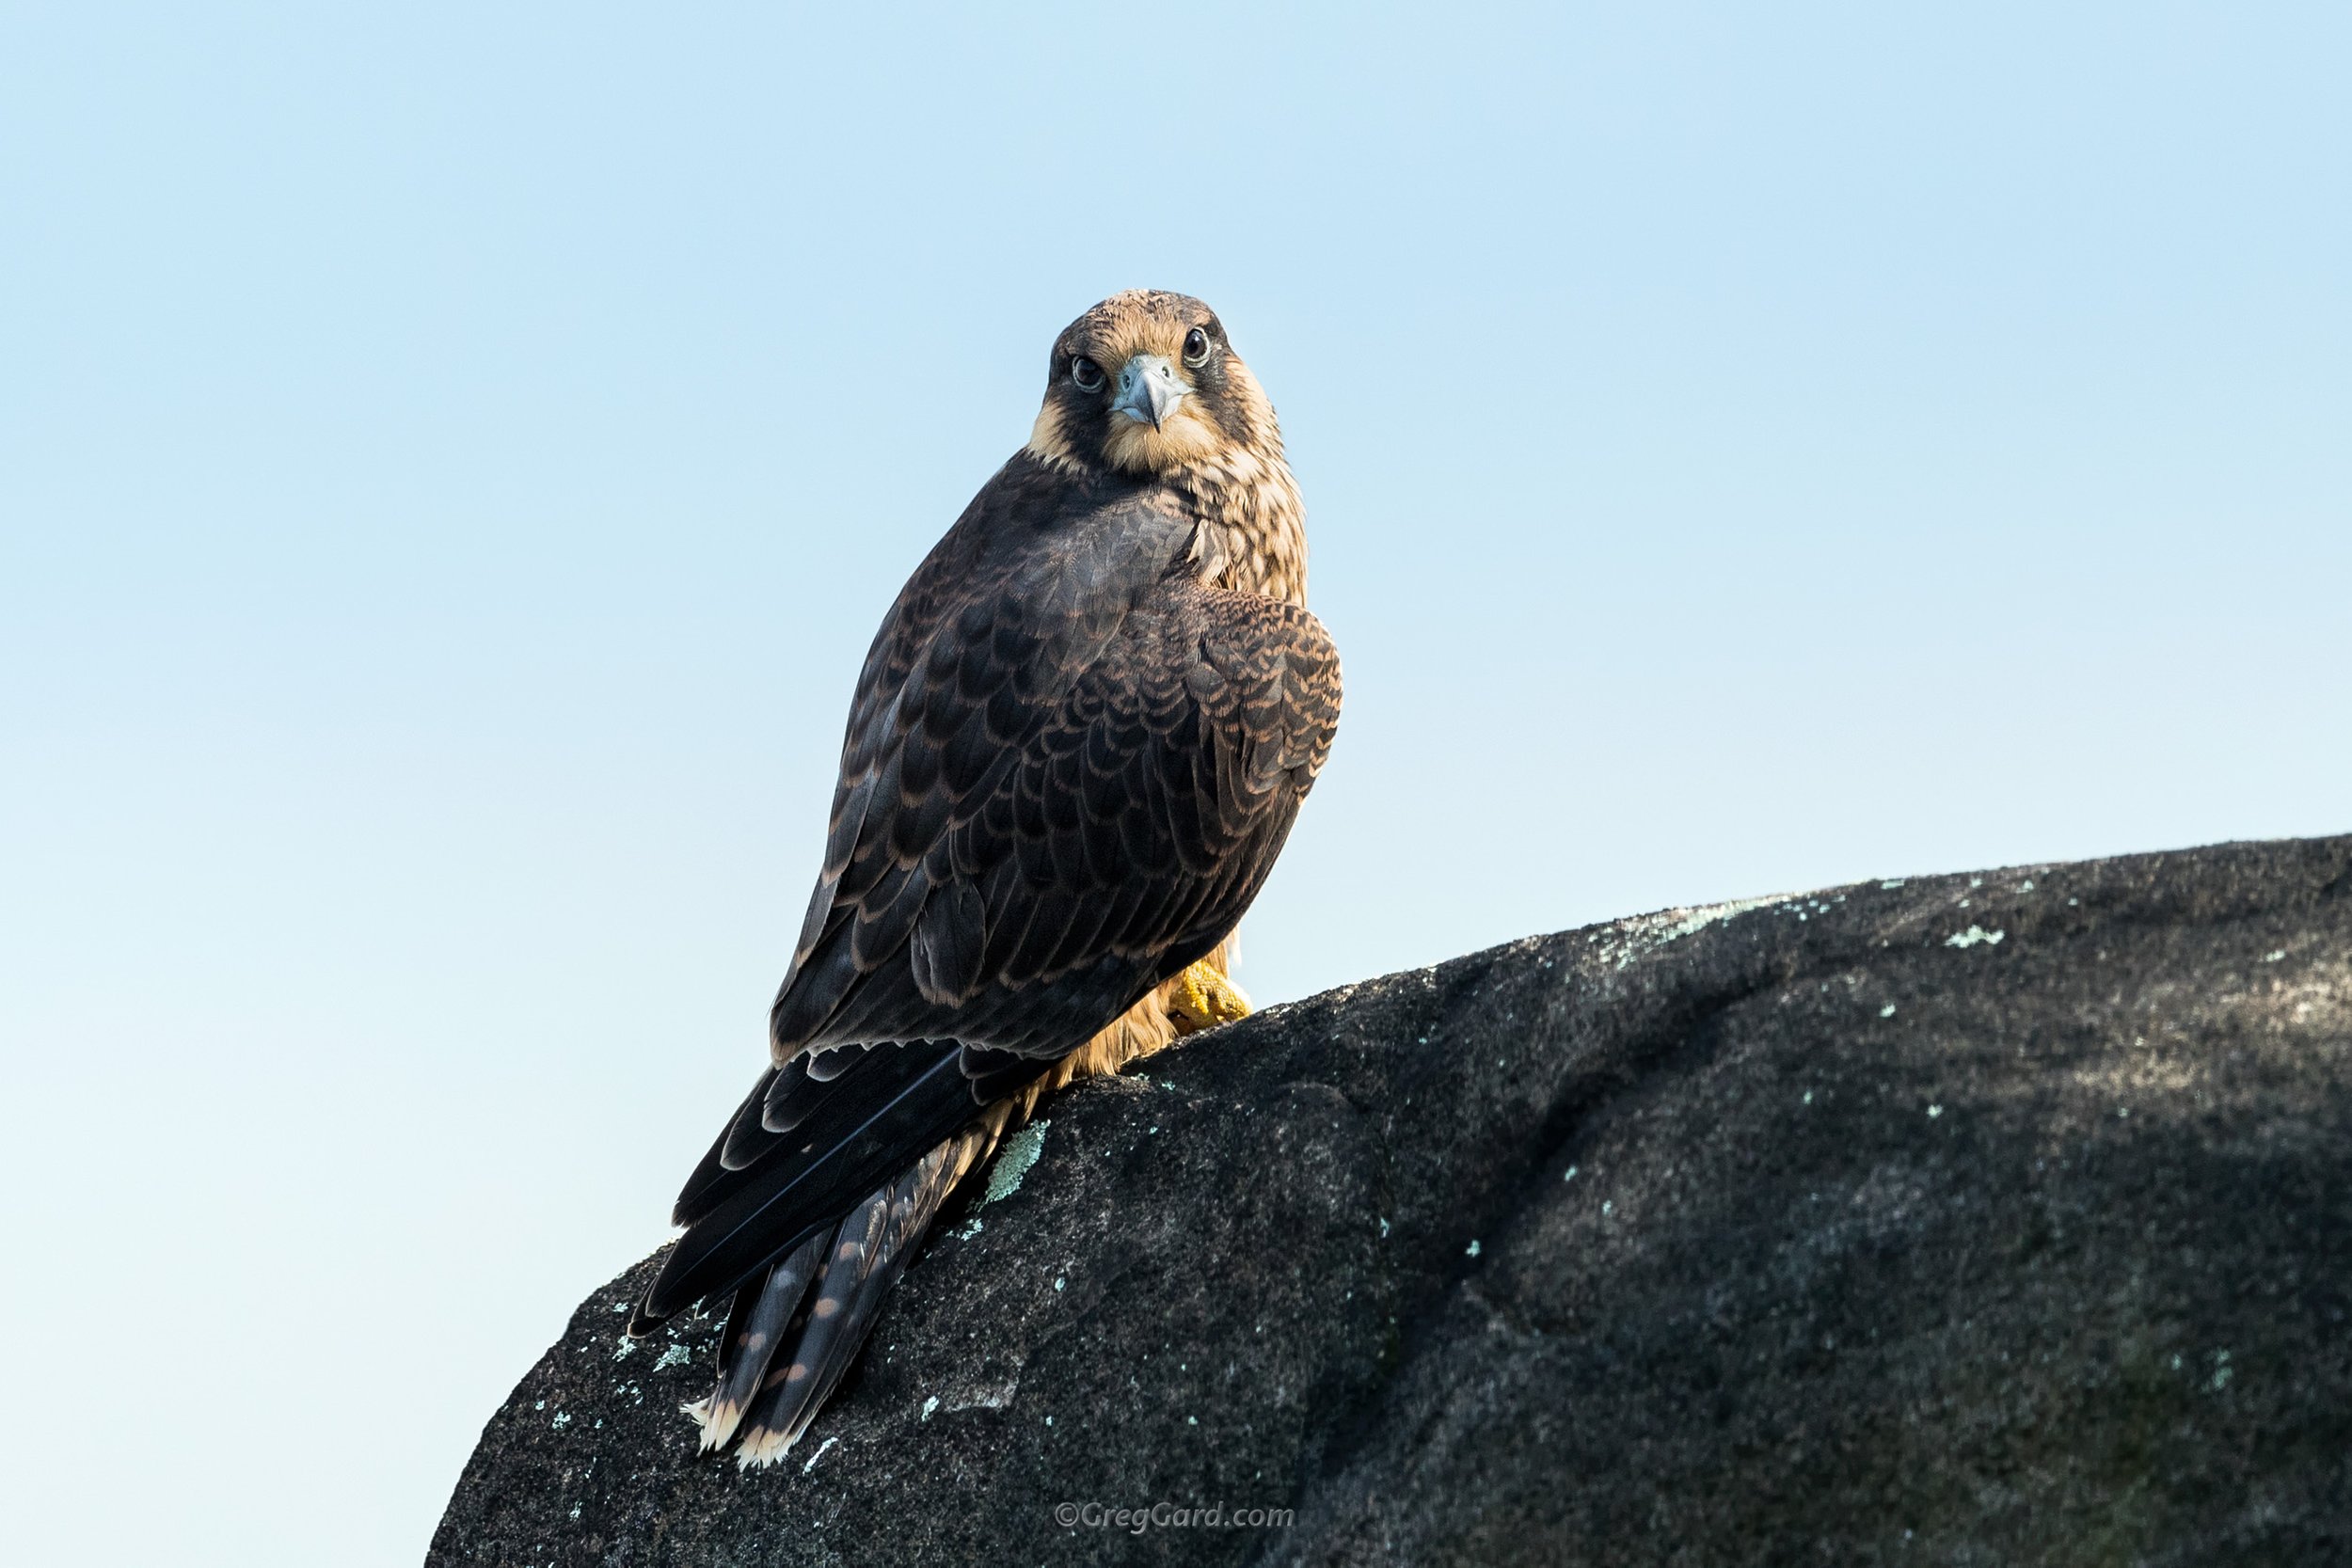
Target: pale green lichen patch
x: 1974, y: 935
x: 1013, y: 1161
x: 1628, y: 940
x: 676, y: 1355
x: 1696, y: 921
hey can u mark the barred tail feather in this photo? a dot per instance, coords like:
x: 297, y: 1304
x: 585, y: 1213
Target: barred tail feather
x: 863, y: 1258
x: 763, y: 1311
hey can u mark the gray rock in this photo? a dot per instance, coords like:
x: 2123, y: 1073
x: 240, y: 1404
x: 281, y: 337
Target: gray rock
x: 1957, y: 1221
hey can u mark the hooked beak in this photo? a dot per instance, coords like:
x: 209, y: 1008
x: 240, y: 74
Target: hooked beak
x: 1149, y: 389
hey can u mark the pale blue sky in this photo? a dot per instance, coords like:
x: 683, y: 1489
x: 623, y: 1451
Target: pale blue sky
x: 451, y: 462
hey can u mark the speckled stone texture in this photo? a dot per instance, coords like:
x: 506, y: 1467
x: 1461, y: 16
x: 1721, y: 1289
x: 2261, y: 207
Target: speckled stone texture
x: 1966, y: 1220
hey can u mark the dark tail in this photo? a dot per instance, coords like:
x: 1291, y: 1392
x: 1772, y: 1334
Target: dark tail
x: 771, y: 1181
x: 785, y: 1349
x: 827, y: 1176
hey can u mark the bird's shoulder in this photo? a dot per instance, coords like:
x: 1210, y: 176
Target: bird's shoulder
x: 1052, y: 537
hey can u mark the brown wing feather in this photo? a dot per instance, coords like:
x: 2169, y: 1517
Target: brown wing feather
x: 1085, y: 764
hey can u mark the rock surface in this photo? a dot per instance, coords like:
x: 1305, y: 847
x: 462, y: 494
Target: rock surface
x: 1964, y: 1220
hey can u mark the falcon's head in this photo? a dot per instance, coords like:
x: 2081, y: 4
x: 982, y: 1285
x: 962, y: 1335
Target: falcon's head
x: 1146, y: 384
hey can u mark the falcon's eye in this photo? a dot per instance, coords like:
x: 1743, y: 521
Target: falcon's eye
x: 1196, y: 347
x: 1086, y: 373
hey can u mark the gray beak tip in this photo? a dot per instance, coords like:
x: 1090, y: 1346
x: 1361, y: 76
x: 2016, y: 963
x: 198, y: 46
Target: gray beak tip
x: 1149, y: 389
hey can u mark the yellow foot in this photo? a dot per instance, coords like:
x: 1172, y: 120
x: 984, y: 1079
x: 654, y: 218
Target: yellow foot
x: 1202, y: 997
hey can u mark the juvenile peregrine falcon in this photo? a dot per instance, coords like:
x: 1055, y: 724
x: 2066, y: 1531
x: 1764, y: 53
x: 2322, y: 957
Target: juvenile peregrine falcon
x: 1076, y: 747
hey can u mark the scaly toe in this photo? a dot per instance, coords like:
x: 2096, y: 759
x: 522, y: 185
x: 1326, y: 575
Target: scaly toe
x: 1205, y: 998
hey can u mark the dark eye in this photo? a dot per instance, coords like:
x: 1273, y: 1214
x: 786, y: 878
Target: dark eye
x: 1086, y: 373
x: 1196, y: 347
